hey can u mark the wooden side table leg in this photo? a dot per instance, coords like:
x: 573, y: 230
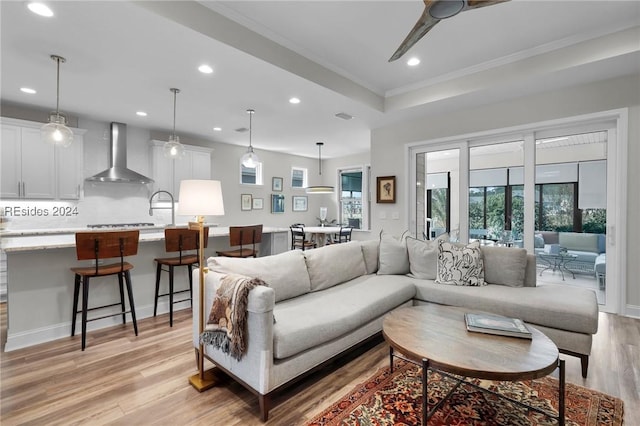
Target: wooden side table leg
x: 391, y: 359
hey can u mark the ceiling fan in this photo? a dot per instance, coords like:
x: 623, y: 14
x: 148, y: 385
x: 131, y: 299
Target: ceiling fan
x: 434, y: 12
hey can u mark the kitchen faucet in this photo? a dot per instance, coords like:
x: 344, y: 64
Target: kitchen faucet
x: 151, y: 208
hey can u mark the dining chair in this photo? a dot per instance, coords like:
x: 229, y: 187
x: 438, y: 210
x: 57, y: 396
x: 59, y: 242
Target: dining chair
x: 96, y: 246
x: 183, y: 241
x: 343, y: 236
x: 243, y: 236
x: 299, y: 239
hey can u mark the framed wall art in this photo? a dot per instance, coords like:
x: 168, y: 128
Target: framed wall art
x: 276, y: 184
x: 245, y: 202
x: 277, y: 203
x: 299, y: 203
x: 258, y: 203
x: 386, y: 189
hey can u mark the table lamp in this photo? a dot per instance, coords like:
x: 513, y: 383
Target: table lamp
x: 201, y: 198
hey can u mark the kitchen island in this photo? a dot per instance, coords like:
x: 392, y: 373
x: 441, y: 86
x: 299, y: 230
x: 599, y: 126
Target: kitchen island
x: 40, y: 283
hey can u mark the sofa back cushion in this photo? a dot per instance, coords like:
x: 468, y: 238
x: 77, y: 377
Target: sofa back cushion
x: 334, y: 264
x: 423, y: 257
x: 370, y: 252
x: 394, y: 259
x: 504, y: 265
x: 286, y: 273
x: 550, y: 237
x: 578, y: 241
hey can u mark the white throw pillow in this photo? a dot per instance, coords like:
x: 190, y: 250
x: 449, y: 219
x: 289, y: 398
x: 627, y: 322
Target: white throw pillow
x: 504, y: 265
x: 459, y: 264
x: 423, y: 257
x: 394, y: 259
x: 334, y: 264
x: 370, y: 252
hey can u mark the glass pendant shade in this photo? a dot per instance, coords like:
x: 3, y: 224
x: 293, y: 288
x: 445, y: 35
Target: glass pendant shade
x: 55, y: 132
x: 173, y: 148
x: 250, y: 159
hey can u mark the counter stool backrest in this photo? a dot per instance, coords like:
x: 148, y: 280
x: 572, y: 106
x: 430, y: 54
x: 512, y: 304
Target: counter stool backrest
x: 106, y: 245
x: 245, y: 235
x: 183, y: 239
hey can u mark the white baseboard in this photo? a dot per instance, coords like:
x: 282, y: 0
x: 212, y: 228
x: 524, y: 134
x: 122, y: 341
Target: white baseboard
x: 632, y: 311
x: 63, y: 330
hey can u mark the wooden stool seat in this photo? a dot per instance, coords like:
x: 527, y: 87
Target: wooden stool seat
x: 177, y: 240
x: 241, y: 236
x: 96, y: 246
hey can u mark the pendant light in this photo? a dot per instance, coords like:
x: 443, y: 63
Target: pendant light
x: 56, y: 131
x: 250, y: 159
x: 173, y: 148
x: 320, y: 189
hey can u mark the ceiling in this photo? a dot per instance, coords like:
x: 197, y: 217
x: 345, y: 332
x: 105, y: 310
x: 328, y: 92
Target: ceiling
x: 123, y: 57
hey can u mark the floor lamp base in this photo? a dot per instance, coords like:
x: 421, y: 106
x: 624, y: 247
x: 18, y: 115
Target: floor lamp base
x: 206, y: 383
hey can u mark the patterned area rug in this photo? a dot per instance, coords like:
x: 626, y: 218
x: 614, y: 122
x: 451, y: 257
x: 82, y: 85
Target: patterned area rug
x: 396, y: 399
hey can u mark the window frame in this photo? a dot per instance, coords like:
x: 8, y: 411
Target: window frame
x: 305, y: 177
x: 259, y: 175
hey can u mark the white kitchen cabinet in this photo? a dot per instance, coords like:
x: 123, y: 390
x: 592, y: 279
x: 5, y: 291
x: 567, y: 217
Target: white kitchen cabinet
x: 28, y: 169
x: 33, y: 169
x: 167, y: 173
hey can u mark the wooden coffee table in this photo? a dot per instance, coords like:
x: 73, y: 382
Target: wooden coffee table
x: 436, y: 337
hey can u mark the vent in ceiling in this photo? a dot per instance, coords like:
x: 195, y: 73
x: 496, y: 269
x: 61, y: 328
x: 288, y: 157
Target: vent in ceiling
x: 242, y: 130
x: 344, y: 116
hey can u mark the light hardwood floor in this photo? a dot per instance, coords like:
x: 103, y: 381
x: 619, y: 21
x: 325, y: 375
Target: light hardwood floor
x: 122, y: 379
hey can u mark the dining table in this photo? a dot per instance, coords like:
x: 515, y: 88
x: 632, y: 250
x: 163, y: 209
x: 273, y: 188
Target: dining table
x: 319, y: 233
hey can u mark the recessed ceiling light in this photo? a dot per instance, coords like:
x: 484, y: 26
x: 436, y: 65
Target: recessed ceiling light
x: 205, y: 69
x: 141, y: 113
x: 40, y: 9
x: 217, y: 129
x: 294, y: 101
x: 412, y: 62
x: 27, y: 90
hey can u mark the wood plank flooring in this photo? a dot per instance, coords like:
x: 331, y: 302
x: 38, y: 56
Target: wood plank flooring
x: 122, y: 379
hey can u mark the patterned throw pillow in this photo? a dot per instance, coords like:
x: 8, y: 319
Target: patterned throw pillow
x: 460, y: 265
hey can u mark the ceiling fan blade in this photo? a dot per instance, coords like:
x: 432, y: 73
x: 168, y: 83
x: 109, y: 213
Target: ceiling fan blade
x: 474, y: 4
x: 424, y: 24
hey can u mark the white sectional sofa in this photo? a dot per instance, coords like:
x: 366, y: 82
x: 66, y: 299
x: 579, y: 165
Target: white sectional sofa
x: 322, y: 302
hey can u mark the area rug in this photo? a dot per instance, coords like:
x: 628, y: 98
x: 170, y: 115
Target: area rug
x: 396, y: 399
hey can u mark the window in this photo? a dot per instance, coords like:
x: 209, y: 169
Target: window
x: 351, y: 202
x: 298, y: 177
x: 250, y: 176
x: 486, y: 212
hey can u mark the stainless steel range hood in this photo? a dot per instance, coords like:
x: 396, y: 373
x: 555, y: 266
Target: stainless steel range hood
x: 118, y: 171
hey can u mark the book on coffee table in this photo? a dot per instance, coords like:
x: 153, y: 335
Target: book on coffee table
x: 497, y: 324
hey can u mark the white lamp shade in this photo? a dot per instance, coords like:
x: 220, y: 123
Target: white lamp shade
x: 200, y: 198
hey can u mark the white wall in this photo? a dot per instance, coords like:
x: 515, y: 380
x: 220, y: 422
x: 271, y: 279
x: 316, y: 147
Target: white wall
x: 387, y: 155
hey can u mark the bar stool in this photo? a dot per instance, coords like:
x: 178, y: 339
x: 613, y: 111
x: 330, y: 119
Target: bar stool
x: 242, y: 236
x: 103, y: 245
x: 177, y: 240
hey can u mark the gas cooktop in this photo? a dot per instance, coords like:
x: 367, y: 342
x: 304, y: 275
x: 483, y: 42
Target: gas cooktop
x: 122, y: 225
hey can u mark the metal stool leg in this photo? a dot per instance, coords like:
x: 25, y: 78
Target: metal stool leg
x: 171, y: 296
x: 190, y: 267
x: 76, y: 291
x: 85, y: 298
x: 127, y: 277
x: 122, y: 306
x: 155, y: 304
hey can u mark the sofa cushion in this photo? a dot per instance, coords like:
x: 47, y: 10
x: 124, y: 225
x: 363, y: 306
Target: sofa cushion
x: 334, y: 264
x: 546, y: 305
x: 286, y: 273
x: 602, y: 243
x: 322, y: 316
x: 504, y: 265
x: 370, y: 252
x: 459, y: 264
x: 579, y: 241
x: 394, y: 259
x: 423, y: 257
x: 538, y: 241
x: 550, y: 237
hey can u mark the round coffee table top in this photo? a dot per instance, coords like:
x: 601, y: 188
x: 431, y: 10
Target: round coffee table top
x: 439, y: 334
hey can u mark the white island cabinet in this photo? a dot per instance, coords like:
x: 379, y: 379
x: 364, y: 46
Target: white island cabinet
x: 40, y: 283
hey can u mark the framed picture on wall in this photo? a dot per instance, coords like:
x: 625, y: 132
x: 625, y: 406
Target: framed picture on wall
x: 258, y: 203
x: 277, y: 203
x: 245, y: 202
x: 386, y: 189
x: 299, y: 203
x: 276, y: 184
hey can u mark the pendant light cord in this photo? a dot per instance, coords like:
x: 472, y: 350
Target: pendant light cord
x: 250, y: 112
x: 320, y: 157
x: 58, y: 86
x: 175, y: 92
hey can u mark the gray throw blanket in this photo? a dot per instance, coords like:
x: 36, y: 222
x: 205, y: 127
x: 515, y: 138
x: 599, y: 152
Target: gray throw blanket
x: 226, y: 327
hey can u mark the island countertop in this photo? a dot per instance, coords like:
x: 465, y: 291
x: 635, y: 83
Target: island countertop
x: 50, y: 240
